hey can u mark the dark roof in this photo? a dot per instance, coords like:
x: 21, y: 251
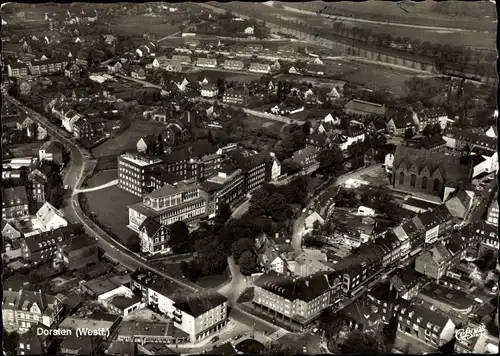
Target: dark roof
x: 473, y: 138
x: 151, y: 226
x: 365, y: 106
x: 157, y: 283
x: 45, y: 239
x: 11, y: 196
x: 435, y: 217
x: 247, y: 163
x: 121, y: 348
x: 431, y: 142
x: 383, y: 292
x: 406, y: 279
x: 35, y: 341
x: 305, y: 288
x: 199, y: 304
x: 122, y: 302
x: 449, y: 166
x: 226, y: 349
x: 421, y: 315
x: 198, y: 148
x: 80, y: 345
x: 164, y: 176
x: 403, y: 120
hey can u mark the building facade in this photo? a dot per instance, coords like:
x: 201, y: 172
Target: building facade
x: 132, y: 172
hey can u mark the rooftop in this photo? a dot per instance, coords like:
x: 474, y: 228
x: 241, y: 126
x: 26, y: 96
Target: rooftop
x: 455, y: 299
x: 199, y: 304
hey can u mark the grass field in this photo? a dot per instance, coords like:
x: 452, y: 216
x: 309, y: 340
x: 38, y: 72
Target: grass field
x: 127, y: 141
x: 420, y: 14
x: 137, y: 25
x: 381, y: 77
x: 110, y: 207
x: 102, y: 178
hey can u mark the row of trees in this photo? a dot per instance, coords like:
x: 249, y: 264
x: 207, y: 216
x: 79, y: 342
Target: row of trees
x: 269, y: 211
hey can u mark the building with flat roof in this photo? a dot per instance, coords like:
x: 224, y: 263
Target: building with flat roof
x: 120, y: 300
x: 132, y: 172
x: 146, y: 332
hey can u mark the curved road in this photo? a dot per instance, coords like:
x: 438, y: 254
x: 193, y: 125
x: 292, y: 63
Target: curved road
x: 113, y: 249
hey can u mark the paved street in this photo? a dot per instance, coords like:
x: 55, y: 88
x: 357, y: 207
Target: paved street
x: 237, y: 285
x: 113, y: 249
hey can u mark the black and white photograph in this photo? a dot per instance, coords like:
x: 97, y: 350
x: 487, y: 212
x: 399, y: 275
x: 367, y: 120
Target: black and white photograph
x: 232, y: 177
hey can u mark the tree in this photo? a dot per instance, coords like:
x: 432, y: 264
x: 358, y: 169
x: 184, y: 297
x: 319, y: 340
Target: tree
x: 241, y: 246
x: 10, y: 342
x: 277, y: 208
x: 329, y: 159
x: 361, y: 343
x: 247, y: 263
x: 409, y: 133
x: 277, y: 348
x: 225, y: 211
x: 212, y: 255
x: 210, y: 137
x: 180, y: 240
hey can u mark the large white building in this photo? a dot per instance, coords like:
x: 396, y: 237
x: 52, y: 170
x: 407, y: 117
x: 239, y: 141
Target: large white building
x: 201, y: 315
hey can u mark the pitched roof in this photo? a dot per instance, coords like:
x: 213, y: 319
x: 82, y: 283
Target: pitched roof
x: 45, y: 239
x: 47, y: 212
x: 449, y: 166
x: 402, y: 121
x: 34, y: 339
x: 406, y: 279
x: 151, y: 226
x: 305, y: 288
x: 199, y: 304
x: 472, y: 137
x: 366, y: 106
x: 422, y: 315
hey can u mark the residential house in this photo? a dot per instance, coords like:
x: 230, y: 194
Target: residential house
x: 259, y: 68
x: 9, y: 231
x: 184, y: 60
x: 114, y: 66
x: 37, y: 183
x: 364, y: 108
x: 376, y: 127
x: 42, y: 247
x: 275, y: 168
x: 432, y: 143
x: 138, y: 73
x: 435, y: 262
x: 110, y: 40
x: 492, y: 213
x: 298, y: 300
x: 206, y: 62
x: 484, y: 164
x: 452, y: 302
x: 91, y: 129
x: 201, y: 315
x: 17, y: 70
x: 276, y: 257
x: 408, y: 283
x: 35, y: 341
x: 431, y: 117
x: 429, y: 326
x: 155, y: 144
x: 422, y: 171
x: 159, y: 114
x: 306, y: 157
x: 459, y: 203
x: 468, y: 140
x: 169, y: 65
x: 22, y: 309
x: 492, y: 132
x: 48, y: 66
x: 209, y: 91
x: 15, y: 202
x: 233, y: 65
x: 69, y: 119
x: 398, y: 124
x: 238, y: 96
x: 293, y: 70
x: 154, y: 237
x: 51, y: 151
x: 79, y: 252
x: 73, y: 71
x: 49, y: 218
x: 311, y: 220
x: 311, y: 97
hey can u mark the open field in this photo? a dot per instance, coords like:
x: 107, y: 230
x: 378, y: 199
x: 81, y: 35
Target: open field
x: 110, y: 207
x: 128, y: 139
x: 102, y: 178
x: 381, y: 77
x: 422, y: 13
x: 139, y: 24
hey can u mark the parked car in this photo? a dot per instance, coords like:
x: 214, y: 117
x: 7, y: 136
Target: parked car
x: 214, y: 339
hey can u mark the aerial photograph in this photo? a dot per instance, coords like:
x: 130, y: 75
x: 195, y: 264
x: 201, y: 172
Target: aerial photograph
x: 254, y: 178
